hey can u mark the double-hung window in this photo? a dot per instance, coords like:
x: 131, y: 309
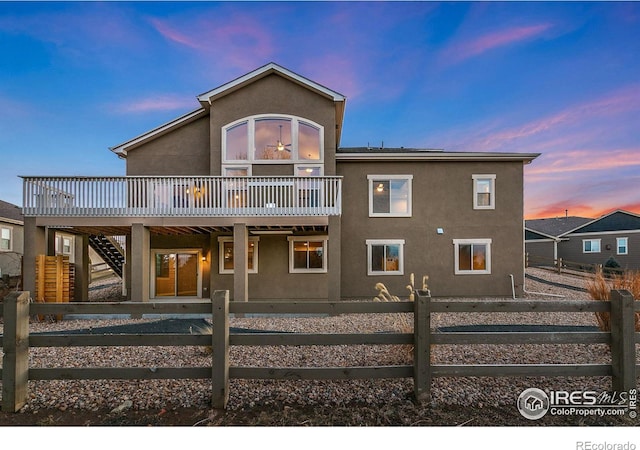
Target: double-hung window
x: 484, y: 191
x: 6, y: 239
x: 472, y: 256
x: 390, y: 195
x: 385, y: 256
x: 622, y: 246
x: 591, y: 246
x: 307, y: 254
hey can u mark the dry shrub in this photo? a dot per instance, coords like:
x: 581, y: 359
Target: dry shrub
x: 600, y: 288
x: 403, y: 322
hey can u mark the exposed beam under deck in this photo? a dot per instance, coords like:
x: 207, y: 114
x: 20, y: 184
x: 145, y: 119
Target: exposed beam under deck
x: 185, y: 230
x: 178, y: 221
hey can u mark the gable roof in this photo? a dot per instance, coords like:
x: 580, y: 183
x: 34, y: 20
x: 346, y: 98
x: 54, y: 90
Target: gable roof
x: 12, y: 213
x: 206, y: 98
x: 122, y: 149
x: 533, y: 235
x: 556, y: 226
x: 618, y: 220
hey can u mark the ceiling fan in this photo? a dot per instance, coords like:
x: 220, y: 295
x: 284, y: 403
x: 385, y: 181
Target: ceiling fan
x: 279, y: 145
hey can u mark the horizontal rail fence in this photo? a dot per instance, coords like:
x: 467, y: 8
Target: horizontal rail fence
x: 562, y: 265
x: 149, y: 196
x: 16, y: 342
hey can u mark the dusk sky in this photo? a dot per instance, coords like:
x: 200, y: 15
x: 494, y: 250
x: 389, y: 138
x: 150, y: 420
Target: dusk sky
x: 561, y: 79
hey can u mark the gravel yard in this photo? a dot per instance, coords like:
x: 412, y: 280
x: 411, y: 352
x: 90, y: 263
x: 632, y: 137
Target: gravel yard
x: 488, y: 401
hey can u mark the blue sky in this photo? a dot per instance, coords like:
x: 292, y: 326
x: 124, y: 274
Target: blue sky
x: 561, y: 79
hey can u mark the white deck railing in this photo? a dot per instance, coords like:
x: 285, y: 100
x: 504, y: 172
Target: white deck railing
x: 181, y: 196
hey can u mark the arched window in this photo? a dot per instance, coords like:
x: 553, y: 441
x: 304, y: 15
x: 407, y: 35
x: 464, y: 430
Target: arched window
x: 272, y: 139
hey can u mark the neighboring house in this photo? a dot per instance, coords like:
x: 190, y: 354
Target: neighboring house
x: 585, y: 241
x: 542, y: 237
x: 257, y: 170
x: 615, y: 235
x: 11, y: 239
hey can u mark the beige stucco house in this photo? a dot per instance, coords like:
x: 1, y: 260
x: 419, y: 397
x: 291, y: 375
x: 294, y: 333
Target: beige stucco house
x: 11, y: 239
x: 257, y: 170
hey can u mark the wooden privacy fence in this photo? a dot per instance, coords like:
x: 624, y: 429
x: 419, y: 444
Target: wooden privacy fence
x: 16, y: 342
x: 54, y: 279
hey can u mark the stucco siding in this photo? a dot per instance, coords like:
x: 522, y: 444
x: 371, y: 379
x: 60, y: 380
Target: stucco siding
x: 273, y: 280
x: 273, y: 95
x: 442, y: 198
x: 184, y: 151
x: 572, y: 249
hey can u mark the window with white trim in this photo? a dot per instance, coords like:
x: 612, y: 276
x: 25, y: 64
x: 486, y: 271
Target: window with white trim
x: 272, y: 139
x: 225, y: 252
x: 472, y: 256
x: 6, y: 239
x: 385, y: 256
x: 484, y: 191
x: 622, y: 246
x: 591, y: 246
x: 390, y: 195
x: 307, y: 254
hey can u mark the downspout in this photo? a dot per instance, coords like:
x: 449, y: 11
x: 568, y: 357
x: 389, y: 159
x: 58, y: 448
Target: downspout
x: 513, y: 286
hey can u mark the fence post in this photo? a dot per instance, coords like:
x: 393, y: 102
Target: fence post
x: 15, y: 343
x: 220, y: 350
x: 559, y: 265
x: 422, y: 346
x: 623, y: 341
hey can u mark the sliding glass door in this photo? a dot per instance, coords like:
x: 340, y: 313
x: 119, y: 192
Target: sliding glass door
x: 176, y: 274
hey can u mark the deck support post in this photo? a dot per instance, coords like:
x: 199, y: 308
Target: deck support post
x: 240, y: 263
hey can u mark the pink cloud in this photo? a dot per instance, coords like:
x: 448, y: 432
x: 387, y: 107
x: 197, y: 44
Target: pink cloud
x: 585, y: 160
x: 174, y: 35
x: 157, y: 103
x: 559, y: 209
x: 238, y: 41
x: 572, y: 208
x: 481, y: 44
x: 555, y: 126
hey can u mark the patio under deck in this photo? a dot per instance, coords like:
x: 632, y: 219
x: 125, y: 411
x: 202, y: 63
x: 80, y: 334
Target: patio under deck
x: 140, y: 207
